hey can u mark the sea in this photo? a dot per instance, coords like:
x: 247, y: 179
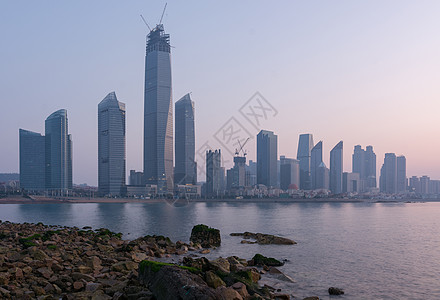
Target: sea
x: 370, y: 250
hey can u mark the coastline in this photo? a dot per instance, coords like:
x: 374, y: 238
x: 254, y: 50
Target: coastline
x: 58, y: 200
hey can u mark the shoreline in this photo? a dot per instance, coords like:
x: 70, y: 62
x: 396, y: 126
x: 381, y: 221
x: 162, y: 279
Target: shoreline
x: 62, y: 262
x: 182, y: 202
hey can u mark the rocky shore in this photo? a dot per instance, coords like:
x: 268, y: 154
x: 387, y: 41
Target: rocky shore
x: 53, y: 262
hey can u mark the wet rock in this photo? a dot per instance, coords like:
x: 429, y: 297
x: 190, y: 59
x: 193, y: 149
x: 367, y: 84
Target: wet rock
x: 261, y: 260
x: 206, y: 236
x: 279, y: 296
x: 311, y: 298
x: 264, y: 239
x: 335, y: 291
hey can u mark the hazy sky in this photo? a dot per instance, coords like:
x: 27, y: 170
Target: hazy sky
x: 365, y: 72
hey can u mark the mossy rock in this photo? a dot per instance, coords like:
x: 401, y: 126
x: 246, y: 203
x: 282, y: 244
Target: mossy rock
x: 266, y: 261
x: 206, y: 236
x: 155, y: 266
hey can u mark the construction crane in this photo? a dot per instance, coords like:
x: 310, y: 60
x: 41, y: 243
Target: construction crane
x: 145, y: 22
x: 160, y: 22
x: 237, y: 151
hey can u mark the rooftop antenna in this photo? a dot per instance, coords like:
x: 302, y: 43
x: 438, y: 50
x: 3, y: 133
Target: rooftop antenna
x: 160, y: 22
x: 145, y: 22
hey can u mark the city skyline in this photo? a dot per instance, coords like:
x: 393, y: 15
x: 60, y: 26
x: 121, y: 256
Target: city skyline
x: 392, y: 95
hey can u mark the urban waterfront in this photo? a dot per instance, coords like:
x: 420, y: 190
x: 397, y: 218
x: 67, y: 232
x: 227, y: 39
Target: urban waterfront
x: 371, y: 250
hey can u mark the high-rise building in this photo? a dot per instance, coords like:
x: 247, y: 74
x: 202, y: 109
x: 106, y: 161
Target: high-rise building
x: 358, y: 161
x: 136, y: 178
x: 158, y: 112
x: 414, y: 184
x: 370, y: 167
x: 58, y: 152
x: 401, y: 174
x: 351, y: 182
x: 185, y: 171
x: 236, y: 176
x: 336, y: 168
x: 32, y: 160
x: 364, y: 163
x: 289, y: 173
x: 316, y: 160
x: 214, y: 173
x: 388, y: 174
x: 424, y: 184
x: 323, y: 177
x: 267, y: 153
x: 305, y: 145
x: 111, y: 146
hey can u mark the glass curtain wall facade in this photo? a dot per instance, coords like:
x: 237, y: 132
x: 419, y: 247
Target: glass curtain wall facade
x: 158, y: 112
x: 185, y: 171
x: 111, y: 146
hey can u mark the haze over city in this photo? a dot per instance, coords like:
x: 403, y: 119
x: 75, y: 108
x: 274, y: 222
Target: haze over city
x: 364, y: 73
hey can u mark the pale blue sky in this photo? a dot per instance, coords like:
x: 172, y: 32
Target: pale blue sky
x: 365, y: 72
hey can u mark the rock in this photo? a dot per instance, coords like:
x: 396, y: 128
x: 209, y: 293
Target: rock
x: 311, y: 298
x: 225, y: 293
x: 4, y: 278
x: 264, y: 239
x: 94, y: 262
x: 213, y: 280
x: 220, y: 264
x: 38, y: 290
x: 100, y: 295
x: 78, y: 276
x: 206, y: 236
x: 77, y: 285
x: 92, y: 286
x: 84, y: 269
x: 172, y: 282
x: 37, y: 254
x: 124, y: 266
x: 280, y: 275
x: 261, y: 260
x: 241, y: 289
x: 205, y: 251
x: 335, y: 291
x: 279, y: 296
x: 198, y: 263
x: 138, y: 257
x: 45, y: 272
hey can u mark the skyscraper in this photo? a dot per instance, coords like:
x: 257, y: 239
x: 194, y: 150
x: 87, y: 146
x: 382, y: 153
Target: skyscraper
x: 316, y: 160
x: 305, y: 146
x: 336, y: 167
x: 388, y: 174
x: 358, y: 161
x: 32, y: 160
x: 214, y: 173
x: 111, y: 146
x: 267, y: 153
x: 185, y: 171
x: 58, y: 153
x: 370, y: 167
x: 401, y: 174
x: 289, y: 173
x: 158, y: 112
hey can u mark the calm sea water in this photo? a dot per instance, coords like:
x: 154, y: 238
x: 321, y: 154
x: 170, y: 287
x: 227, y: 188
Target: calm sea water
x: 371, y: 250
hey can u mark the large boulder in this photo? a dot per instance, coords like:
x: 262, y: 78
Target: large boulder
x: 206, y: 236
x: 167, y: 281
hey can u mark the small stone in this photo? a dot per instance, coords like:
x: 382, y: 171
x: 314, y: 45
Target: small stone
x: 77, y: 285
x: 93, y: 287
x: 335, y: 291
x: 45, y: 272
x: 311, y: 298
x: 241, y: 289
x: 279, y: 296
x: 205, y: 251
